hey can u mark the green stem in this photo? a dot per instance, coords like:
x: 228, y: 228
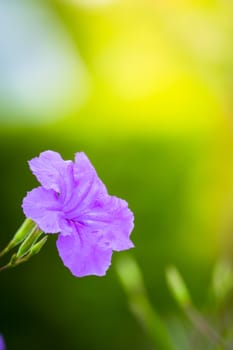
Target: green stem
x: 10, y: 266
x: 203, y: 326
x: 5, y: 267
x: 181, y: 294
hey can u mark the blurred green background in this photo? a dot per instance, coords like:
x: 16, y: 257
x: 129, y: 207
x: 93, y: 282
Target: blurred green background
x: 144, y: 87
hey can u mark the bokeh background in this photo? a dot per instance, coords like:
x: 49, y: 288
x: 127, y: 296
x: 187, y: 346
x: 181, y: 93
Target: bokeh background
x: 144, y: 87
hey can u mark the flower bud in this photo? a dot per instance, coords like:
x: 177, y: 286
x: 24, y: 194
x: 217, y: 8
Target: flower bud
x: 178, y: 287
x: 36, y: 248
x: 29, y: 241
x: 22, y: 232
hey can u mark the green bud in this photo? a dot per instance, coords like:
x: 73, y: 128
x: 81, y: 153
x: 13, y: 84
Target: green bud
x: 222, y: 282
x: 27, y: 249
x: 36, y: 248
x: 29, y: 241
x: 178, y: 287
x: 131, y: 279
x: 129, y: 274
x: 22, y: 232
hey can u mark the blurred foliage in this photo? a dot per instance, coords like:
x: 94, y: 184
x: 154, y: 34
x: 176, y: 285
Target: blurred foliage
x: 145, y: 89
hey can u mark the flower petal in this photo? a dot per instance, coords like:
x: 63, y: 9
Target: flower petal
x: 43, y: 207
x: 83, y: 168
x: 48, y: 169
x: 92, y: 206
x: 82, y: 255
x: 87, y: 188
x: 113, y: 221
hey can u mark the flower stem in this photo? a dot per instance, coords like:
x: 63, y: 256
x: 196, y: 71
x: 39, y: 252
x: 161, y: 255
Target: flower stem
x: 5, y: 267
x: 203, y: 326
x: 183, y: 298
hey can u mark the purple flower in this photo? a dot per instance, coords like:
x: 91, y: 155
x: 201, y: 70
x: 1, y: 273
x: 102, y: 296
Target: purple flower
x: 73, y: 202
x: 2, y: 343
